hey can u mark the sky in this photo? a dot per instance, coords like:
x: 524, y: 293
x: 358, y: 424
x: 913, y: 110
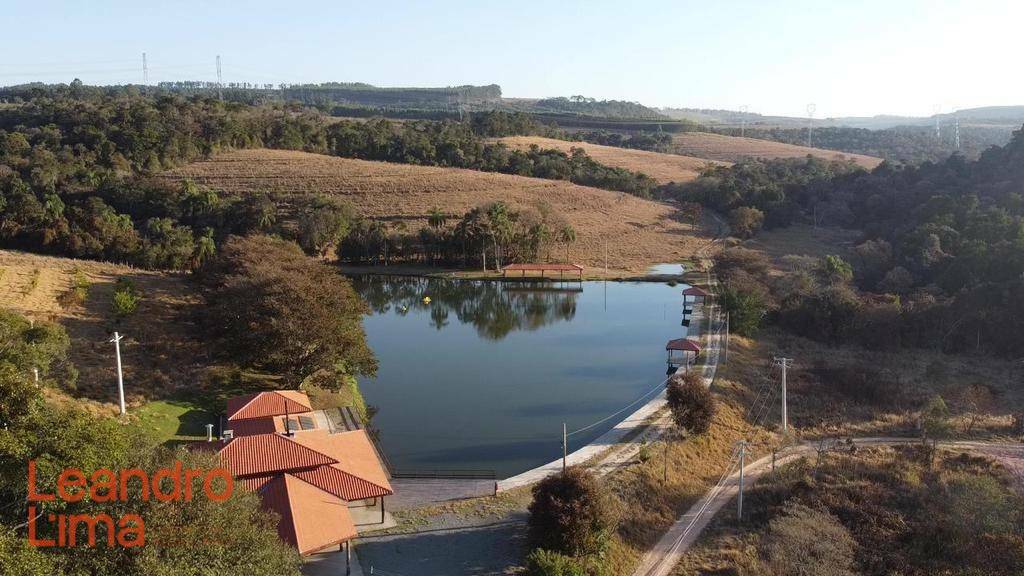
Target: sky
x: 905, y: 57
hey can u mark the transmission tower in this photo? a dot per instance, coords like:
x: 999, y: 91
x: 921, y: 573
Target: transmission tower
x: 743, y: 120
x: 145, y: 70
x: 220, y: 80
x: 810, y: 122
x: 937, y: 110
x: 956, y: 132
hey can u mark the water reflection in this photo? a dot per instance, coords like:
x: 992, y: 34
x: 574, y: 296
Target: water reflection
x: 494, y: 309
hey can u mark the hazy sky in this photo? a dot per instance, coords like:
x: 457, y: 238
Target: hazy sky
x: 859, y: 57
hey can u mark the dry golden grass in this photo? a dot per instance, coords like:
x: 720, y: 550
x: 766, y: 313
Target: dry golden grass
x: 734, y: 148
x: 650, y: 505
x: 662, y: 167
x: 159, y: 351
x: 638, y: 232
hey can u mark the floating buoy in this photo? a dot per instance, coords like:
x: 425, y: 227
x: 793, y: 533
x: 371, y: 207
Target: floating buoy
x: 426, y: 299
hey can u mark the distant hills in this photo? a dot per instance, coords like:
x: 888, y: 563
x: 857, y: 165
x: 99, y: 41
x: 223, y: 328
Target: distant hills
x: 995, y: 116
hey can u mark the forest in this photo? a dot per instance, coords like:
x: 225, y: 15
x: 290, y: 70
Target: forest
x: 74, y: 161
x: 940, y: 261
x: 906, y: 144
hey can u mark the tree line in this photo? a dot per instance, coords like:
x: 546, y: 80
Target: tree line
x: 940, y: 262
x: 74, y: 161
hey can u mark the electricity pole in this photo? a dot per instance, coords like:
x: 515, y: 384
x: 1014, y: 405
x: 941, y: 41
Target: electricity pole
x: 726, y: 359
x: 120, y: 377
x: 810, y: 122
x: 784, y: 363
x: 743, y: 120
x: 220, y: 94
x: 739, y: 499
x: 565, y: 446
x: 145, y: 70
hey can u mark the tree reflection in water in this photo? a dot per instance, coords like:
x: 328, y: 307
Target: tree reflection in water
x: 494, y: 308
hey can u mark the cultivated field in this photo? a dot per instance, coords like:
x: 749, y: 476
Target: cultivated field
x: 637, y: 232
x: 662, y: 167
x: 159, y: 353
x: 734, y: 148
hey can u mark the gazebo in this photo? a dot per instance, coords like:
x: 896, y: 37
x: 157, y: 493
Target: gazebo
x: 698, y: 295
x: 542, y: 268
x: 679, y: 351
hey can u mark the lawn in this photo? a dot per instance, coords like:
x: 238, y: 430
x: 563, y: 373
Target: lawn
x: 174, y: 421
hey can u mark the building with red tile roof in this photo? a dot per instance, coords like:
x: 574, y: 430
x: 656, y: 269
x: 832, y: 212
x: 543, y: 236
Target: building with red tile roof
x: 308, y: 473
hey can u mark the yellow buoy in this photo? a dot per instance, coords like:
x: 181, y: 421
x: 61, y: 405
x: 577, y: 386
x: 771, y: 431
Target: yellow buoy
x: 426, y: 299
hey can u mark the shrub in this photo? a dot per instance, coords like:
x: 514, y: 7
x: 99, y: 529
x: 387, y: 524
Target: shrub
x: 126, y: 299
x: 542, y: 562
x: 692, y: 404
x: 78, y: 292
x: 808, y: 542
x: 571, y: 513
x: 745, y: 221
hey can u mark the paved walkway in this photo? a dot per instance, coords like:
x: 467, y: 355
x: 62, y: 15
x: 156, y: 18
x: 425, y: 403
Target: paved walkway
x: 419, y: 492
x: 666, y: 553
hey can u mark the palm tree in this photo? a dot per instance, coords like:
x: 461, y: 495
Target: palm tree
x: 436, y: 219
x: 568, y: 236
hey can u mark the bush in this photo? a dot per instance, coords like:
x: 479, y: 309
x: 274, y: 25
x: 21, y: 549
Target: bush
x: 745, y: 221
x: 571, y: 514
x: 542, y: 562
x: 808, y: 542
x: 691, y: 402
x: 125, y: 300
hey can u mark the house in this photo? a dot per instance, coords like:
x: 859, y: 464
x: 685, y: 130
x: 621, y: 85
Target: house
x: 318, y: 477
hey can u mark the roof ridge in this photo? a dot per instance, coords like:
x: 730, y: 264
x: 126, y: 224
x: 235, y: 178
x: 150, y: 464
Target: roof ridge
x: 315, y: 451
x: 254, y: 396
x: 310, y: 474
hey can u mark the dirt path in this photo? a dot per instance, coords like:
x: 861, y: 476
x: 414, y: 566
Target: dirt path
x: 663, y: 557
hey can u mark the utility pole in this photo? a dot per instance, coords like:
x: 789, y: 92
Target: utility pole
x: 565, y: 446
x: 120, y: 377
x: 664, y: 471
x: 956, y: 133
x: 726, y: 359
x: 810, y: 122
x: 145, y: 70
x: 739, y: 499
x: 220, y: 80
x: 743, y: 120
x: 784, y: 363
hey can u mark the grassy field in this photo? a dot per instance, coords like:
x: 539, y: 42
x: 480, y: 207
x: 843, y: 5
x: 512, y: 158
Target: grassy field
x: 636, y: 232
x: 734, y: 148
x: 159, y: 350
x: 662, y: 167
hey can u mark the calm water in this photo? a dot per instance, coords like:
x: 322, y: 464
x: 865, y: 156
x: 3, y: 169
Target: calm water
x: 483, y: 376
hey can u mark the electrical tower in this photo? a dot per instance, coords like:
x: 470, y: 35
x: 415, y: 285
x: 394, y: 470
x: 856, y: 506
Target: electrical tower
x: 956, y: 132
x: 220, y: 80
x: 743, y: 120
x: 938, y: 110
x: 810, y: 122
x: 784, y: 363
x: 145, y: 70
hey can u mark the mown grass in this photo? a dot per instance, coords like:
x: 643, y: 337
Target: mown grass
x: 173, y: 421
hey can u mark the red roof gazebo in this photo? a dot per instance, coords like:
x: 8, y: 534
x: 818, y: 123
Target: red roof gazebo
x: 686, y: 347
x: 695, y: 293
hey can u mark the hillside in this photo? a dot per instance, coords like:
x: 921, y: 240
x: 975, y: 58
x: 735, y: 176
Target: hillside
x: 734, y: 148
x: 662, y: 167
x: 159, y: 351
x: 638, y: 232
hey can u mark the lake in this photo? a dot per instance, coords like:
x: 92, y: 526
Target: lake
x: 483, y: 376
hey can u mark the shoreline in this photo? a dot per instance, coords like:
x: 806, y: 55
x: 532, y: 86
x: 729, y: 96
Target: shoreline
x: 688, y: 276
